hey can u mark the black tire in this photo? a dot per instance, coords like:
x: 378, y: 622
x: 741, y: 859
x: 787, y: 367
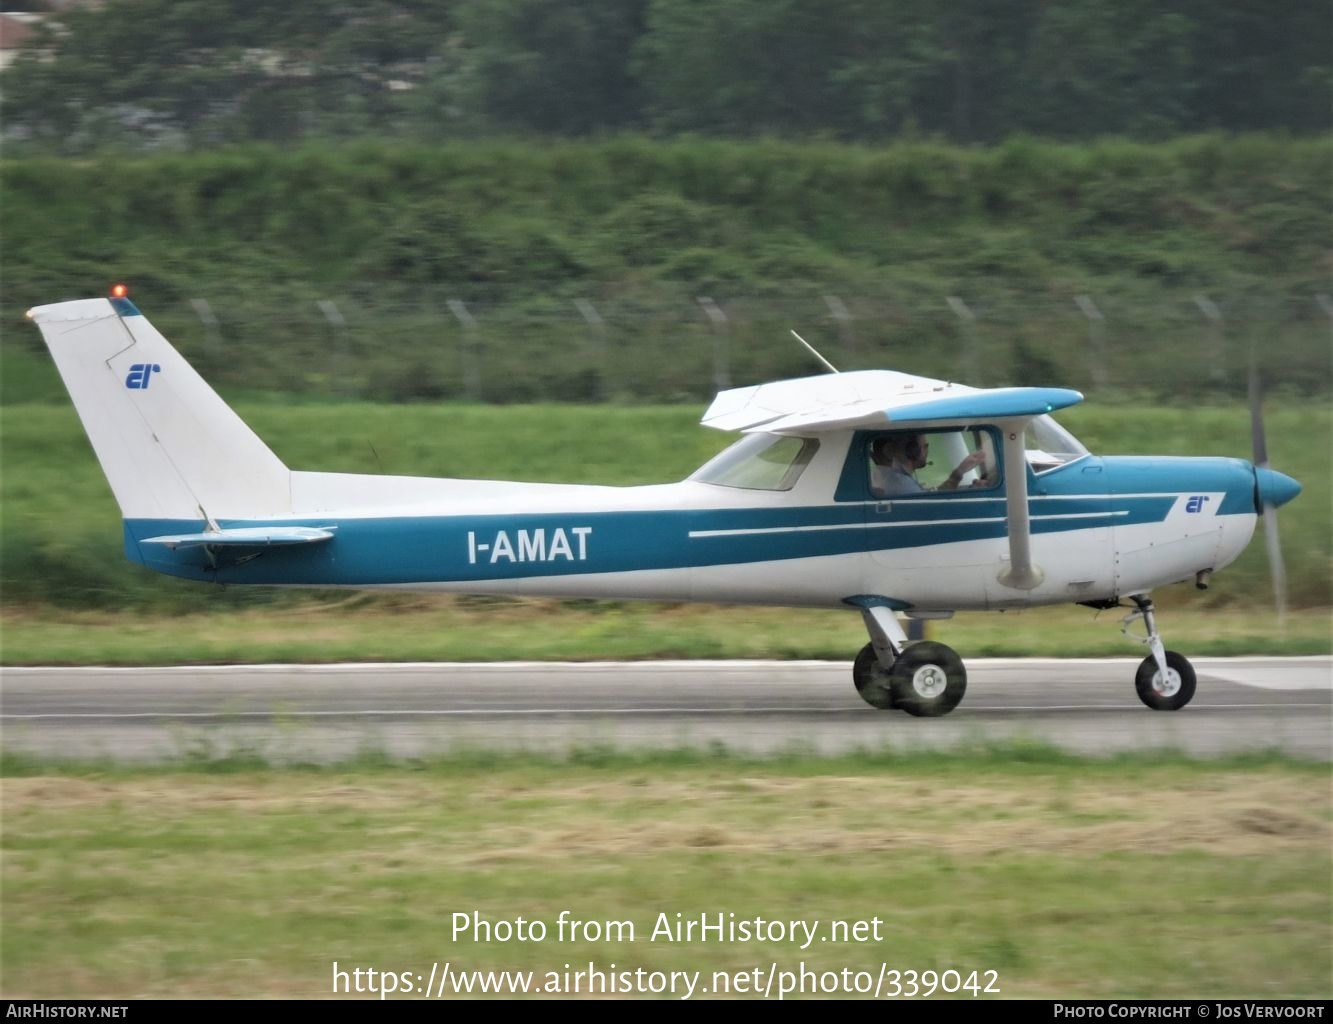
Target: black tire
x: 872, y: 679
x: 1175, y: 693
x: 928, y: 679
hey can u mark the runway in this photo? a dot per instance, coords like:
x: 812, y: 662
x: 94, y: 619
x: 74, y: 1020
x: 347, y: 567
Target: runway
x: 328, y: 713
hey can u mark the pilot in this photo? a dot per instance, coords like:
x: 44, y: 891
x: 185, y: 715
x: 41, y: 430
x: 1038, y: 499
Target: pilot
x: 897, y: 457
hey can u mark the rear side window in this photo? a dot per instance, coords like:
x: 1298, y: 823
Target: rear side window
x: 760, y: 462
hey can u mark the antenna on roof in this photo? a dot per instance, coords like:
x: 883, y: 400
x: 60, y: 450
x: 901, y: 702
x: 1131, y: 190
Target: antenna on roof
x: 811, y: 349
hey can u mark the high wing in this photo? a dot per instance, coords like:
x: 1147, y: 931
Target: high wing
x: 874, y: 399
x: 868, y: 399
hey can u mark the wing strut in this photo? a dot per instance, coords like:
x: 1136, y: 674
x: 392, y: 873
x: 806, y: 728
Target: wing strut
x: 1021, y: 574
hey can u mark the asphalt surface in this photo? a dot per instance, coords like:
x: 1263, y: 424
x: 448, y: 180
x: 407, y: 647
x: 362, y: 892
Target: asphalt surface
x: 331, y: 712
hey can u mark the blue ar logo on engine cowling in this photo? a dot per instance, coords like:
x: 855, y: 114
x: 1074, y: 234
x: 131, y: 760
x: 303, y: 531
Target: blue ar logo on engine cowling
x: 140, y: 375
x: 1195, y: 503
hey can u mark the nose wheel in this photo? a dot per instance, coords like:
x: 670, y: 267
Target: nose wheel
x: 1169, y: 692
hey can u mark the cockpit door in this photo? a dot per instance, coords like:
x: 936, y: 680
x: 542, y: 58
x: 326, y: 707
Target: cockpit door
x: 930, y: 531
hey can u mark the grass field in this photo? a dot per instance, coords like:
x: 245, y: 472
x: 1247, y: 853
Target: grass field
x: 1151, y: 877
x: 70, y: 597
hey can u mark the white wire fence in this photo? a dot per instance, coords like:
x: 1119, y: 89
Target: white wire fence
x: 684, y: 347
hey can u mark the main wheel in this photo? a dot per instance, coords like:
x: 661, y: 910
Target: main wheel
x: 1171, y: 693
x: 928, y: 679
x: 872, y: 679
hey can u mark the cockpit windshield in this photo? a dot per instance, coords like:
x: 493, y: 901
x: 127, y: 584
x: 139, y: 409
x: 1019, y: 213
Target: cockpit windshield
x: 1050, y: 445
x: 760, y: 462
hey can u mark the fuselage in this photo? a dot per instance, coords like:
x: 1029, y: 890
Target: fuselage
x: 1101, y: 527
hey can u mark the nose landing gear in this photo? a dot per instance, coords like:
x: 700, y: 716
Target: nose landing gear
x: 1165, y: 680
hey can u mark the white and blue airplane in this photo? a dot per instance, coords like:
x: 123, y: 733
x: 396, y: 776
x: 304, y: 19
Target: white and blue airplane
x: 892, y: 494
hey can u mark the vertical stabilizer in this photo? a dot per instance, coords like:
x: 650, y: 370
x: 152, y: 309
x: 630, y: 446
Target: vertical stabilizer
x: 170, y: 447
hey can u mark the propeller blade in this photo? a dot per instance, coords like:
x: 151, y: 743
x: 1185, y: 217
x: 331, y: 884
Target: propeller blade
x: 1277, y: 569
x: 1256, y: 393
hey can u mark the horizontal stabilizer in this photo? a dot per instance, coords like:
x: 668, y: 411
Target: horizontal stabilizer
x: 246, y: 537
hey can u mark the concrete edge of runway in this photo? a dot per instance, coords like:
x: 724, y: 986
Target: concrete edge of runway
x: 712, y: 665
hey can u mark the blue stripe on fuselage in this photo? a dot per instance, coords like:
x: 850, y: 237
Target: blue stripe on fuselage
x: 491, y: 547
x: 1090, y: 493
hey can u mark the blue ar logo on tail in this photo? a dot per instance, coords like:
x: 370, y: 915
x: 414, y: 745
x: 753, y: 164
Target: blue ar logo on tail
x: 140, y: 375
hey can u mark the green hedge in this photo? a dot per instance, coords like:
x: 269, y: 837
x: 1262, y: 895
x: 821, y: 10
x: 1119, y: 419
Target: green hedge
x: 640, y: 229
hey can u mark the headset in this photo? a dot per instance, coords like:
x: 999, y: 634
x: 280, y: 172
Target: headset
x: 882, y: 448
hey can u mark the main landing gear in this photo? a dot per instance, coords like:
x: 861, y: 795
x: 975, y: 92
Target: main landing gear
x: 924, y: 679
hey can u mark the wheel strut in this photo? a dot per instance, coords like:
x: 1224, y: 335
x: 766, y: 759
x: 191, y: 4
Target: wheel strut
x: 886, y: 633
x: 1165, y: 680
x: 1153, y: 639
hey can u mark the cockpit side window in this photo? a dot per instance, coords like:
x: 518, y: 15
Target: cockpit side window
x: 900, y: 464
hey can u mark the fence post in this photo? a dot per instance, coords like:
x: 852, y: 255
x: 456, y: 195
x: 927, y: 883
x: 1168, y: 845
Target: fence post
x: 839, y: 311
x: 468, y: 350
x: 1218, y: 362
x: 597, y: 338
x: 338, y: 333
x: 971, y: 371
x: 212, y: 329
x: 721, y: 352
x: 1096, y: 339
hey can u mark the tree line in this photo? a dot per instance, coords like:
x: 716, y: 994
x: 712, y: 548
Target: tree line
x: 189, y: 73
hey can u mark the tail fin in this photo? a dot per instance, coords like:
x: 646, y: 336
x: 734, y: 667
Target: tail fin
x: 170, y: 447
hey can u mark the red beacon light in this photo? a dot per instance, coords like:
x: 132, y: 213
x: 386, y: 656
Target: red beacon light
x: 119, y: 291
